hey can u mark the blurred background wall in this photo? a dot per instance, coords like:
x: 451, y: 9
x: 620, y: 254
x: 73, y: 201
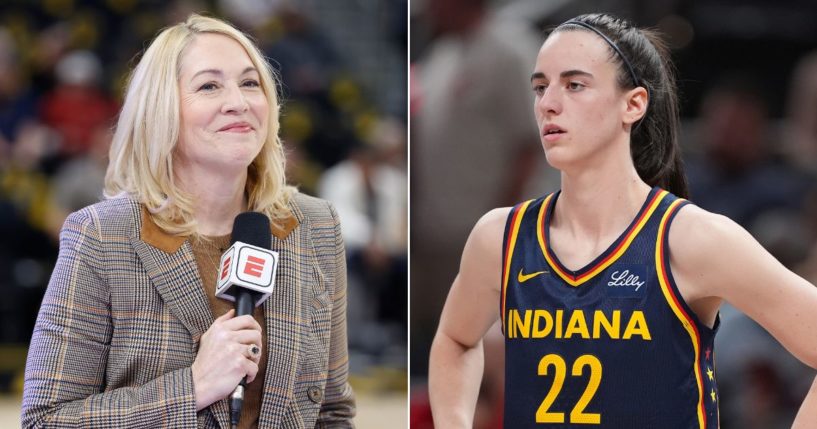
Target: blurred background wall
x: 747, y: 77
x: 344, y: 74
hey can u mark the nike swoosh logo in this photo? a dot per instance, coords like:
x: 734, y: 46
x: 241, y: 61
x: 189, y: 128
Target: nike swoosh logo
x: 522, y: 278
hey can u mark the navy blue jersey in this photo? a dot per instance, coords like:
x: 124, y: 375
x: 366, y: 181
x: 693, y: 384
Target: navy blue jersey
x: 611, y: 345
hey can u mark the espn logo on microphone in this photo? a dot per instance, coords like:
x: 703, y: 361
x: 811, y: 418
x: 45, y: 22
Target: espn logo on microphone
x: 246, y: 266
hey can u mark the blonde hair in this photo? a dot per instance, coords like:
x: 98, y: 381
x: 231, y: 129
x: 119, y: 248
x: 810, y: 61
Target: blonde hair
x: 141, y: 155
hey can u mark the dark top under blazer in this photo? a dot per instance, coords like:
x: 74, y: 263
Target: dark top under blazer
x: 119, y: 327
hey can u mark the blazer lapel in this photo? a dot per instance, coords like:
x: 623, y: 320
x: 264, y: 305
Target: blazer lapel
x: 172, y: 268
x: 284, y: 318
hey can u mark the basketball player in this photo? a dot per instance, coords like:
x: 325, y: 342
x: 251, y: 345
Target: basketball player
x: 608, y: 290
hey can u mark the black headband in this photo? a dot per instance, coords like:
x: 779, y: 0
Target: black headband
x: 609, y: 42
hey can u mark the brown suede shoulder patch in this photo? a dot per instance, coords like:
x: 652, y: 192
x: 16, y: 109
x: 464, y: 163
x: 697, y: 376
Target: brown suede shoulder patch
x: 157, y: 237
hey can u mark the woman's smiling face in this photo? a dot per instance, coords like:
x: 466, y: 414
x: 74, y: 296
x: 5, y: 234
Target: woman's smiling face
x: 224, y: 110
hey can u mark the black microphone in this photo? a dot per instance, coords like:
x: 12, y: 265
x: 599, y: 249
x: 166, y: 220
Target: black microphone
x: 247, y: 275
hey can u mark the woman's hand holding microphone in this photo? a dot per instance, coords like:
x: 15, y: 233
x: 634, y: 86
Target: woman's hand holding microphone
x: 228, y: 351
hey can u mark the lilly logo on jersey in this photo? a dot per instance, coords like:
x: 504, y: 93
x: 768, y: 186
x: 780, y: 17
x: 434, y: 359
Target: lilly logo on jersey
x: 627, y: 280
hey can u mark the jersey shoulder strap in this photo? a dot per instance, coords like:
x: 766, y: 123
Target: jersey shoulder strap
x: 517, y: 213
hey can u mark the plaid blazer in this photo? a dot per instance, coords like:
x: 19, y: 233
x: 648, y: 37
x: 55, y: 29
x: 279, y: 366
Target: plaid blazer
x: 120, y: 322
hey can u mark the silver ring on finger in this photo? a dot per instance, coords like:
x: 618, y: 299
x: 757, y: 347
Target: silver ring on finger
x: 254, y: 350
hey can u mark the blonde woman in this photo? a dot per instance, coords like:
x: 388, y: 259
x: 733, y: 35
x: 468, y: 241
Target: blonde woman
x: 130, y: 333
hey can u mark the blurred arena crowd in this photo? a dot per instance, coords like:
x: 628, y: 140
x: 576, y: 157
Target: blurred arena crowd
x: 747, y: 75
x: 342, y: 67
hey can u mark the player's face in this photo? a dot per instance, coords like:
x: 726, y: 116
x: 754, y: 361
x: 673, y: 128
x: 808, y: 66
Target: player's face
x: 578, y: 105
x: 224, y: 110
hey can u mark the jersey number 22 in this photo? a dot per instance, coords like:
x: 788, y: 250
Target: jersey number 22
x: 577, y: 415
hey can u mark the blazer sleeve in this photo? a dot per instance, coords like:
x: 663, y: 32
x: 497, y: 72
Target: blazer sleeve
x: 65, y: 383
x: 338, y: 407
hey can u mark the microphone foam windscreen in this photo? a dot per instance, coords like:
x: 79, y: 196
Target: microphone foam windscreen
x: 252, y: 228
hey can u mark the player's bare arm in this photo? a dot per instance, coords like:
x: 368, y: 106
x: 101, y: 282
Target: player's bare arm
x: 713, y: 258
x: 456, y: 362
